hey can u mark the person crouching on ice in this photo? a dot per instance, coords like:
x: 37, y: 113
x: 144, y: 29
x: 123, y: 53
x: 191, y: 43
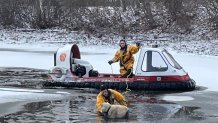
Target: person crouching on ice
x: 125, y: 56
x: 109, y: 96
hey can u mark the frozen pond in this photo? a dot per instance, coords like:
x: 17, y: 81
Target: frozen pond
x: 201, y: 68
x: 78, y: 105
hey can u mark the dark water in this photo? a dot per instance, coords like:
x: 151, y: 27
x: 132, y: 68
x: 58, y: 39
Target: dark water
x: 199, y: 106
x: 146, y: 107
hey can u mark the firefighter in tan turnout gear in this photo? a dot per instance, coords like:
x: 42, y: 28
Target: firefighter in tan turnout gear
x: 125, y: 56
x: 109, y: 96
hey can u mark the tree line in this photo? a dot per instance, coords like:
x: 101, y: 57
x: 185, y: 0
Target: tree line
x: 112, y: 16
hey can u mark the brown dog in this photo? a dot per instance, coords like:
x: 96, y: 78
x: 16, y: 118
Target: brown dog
x: 114, y: 111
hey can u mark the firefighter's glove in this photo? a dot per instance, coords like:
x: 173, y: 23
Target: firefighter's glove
x: 110, y: 62
x: 138, y: 44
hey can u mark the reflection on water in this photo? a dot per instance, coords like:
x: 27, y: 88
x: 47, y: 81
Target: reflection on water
x: 75, y: 109
x: 153, y: 108
x: 81, y: 108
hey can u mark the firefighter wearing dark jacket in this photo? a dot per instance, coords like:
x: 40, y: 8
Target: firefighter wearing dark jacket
x: 125, y: 56
x: 110, y: 96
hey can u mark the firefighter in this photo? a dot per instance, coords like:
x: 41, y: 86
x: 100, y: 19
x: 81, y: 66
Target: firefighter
x: 109, y: 96
x: 125, y: 56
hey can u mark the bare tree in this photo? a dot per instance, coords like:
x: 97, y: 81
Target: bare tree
x: 212, y: 12
x: 8, y: 9
x: 99, y: 17
x: 179, y: 15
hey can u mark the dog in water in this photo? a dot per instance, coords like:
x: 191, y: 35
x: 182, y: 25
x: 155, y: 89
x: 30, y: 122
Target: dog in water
x: 114, y: 111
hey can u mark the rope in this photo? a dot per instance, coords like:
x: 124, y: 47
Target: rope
x: 127, y: 86
x: 112, y: 69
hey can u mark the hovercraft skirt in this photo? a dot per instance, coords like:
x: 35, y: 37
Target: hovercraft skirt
x: 142, y: 86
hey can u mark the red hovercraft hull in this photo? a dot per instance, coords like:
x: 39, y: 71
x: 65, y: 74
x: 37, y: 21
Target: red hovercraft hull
x: 141, y: 83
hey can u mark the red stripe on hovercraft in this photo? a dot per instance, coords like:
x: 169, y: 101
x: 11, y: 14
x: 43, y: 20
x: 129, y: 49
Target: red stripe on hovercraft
x: 104, y: 79
x: 162, y: 78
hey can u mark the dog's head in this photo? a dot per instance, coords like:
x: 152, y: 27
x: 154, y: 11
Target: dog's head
x: 105, y: 107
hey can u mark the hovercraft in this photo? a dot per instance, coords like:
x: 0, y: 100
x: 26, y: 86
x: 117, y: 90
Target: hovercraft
x: 156, y: 70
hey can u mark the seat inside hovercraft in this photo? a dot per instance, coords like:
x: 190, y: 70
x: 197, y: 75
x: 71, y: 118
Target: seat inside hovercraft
x: 82, y: 68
